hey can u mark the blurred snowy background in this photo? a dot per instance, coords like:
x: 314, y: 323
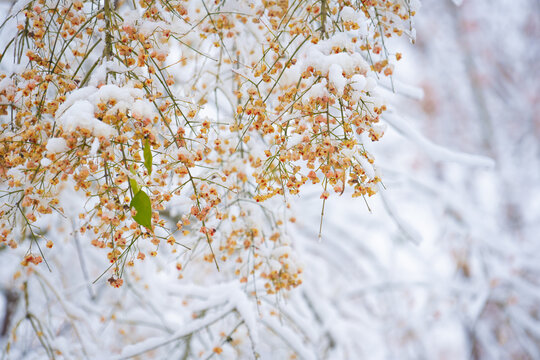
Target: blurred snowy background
x: 443, y: 263
x: 471, y: 289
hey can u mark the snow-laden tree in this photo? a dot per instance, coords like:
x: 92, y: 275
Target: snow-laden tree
x: 166, y: 116
x: 208, y: 160
x: 157, y: 146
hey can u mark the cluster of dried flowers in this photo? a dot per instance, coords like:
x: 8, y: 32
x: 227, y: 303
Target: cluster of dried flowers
x: 179, y: 117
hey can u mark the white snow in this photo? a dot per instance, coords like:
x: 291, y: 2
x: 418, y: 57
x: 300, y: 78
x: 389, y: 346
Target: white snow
x: 152, y: 343
x: 290, y: 338
x: 247, y: 311
x: 142, y: 109
x: 367, y: 166
x: 336, y: 78
x: 371, y: 84
x: 45, y: 162
x: 56, y: 145
x: 349, y: 14
x: 81, y: 115
x: 434, y: 151
x: 79, y: 108
x: 317, y: 91
x: 401, y: 88
x: 95, y: 147
x: 5, y: 83
x: 358, y: 82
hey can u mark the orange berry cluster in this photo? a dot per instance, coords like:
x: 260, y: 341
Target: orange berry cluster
x: 168, y: 117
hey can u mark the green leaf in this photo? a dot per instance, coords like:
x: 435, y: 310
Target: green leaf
x: 134, y: 186
x: 147, y: 156
x: 141, y: 203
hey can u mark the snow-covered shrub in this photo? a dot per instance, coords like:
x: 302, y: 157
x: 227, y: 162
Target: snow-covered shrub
x: 180, y: 130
